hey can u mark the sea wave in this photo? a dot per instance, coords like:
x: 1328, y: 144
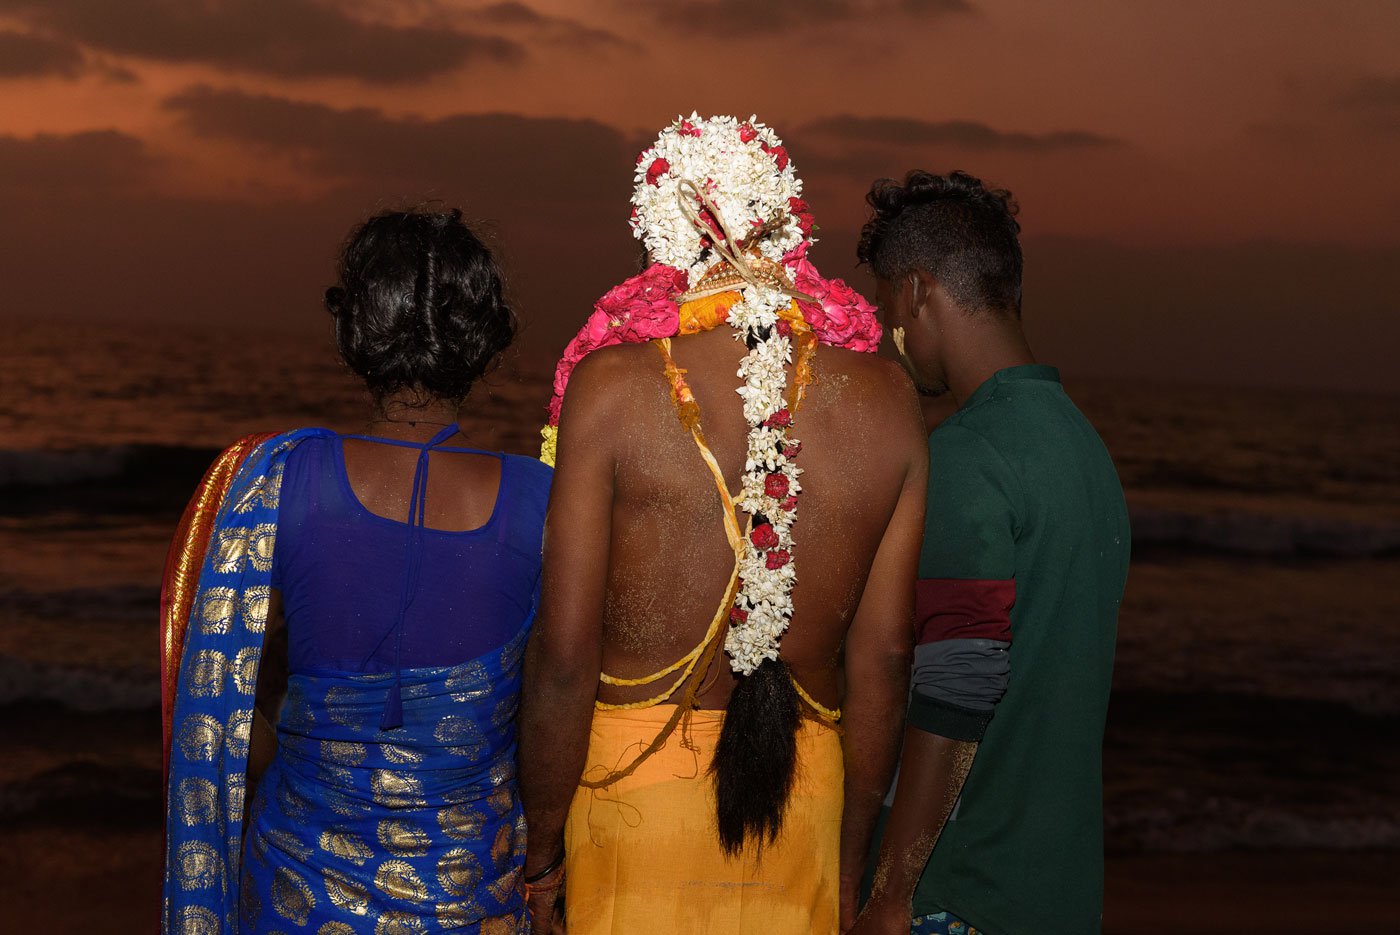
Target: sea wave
x: 78, y: 688
x: 38, y: 467
x: 125, y: 602
x: 82, y: 788
x: 1175, y: 824
x: 1263, y: 534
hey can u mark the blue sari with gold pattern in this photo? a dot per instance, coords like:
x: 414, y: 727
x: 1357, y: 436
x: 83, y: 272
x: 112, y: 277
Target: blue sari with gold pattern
x: 354, y: 828
x: 408, y: 825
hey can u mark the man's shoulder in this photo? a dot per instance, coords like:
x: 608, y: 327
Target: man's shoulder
x: 616, y: 360
x: 609, y: 375
x: 874, y: 387
x: 864, y: 366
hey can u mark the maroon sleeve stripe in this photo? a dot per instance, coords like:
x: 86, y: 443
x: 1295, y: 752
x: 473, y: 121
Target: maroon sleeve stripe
x: 963, y: 609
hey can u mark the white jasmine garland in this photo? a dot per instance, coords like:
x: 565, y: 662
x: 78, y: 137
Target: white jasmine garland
x: 740, y: 176
x: 748, y: 181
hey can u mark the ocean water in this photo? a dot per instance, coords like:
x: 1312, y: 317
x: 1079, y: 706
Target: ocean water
x: 1257, y: 697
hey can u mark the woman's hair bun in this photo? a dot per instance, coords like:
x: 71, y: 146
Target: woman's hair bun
x: 420, y: 304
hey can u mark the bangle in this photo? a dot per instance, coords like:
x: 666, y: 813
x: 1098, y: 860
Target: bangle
x: 553, y: 866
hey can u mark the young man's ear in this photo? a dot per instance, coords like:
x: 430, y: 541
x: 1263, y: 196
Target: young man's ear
x: 919, y: 290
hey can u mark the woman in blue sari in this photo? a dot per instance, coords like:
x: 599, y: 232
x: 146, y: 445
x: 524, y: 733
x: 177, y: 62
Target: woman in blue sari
x: 343, y: 623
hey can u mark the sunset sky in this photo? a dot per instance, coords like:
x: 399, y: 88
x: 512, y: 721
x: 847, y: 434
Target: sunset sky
x: 1209, y: 190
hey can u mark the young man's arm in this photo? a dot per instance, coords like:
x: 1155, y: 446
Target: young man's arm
x: 878, y: 652
x: 563, y: 659
x: 966, y: 591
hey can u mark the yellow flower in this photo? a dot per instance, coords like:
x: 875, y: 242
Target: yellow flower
x: 549, y: 448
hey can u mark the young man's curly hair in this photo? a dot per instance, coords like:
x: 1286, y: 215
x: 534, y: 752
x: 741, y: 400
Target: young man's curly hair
x: 952, y: 227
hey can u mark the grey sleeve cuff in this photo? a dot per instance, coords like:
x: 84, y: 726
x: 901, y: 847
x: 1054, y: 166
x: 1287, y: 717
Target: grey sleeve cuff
x: 969, y: 674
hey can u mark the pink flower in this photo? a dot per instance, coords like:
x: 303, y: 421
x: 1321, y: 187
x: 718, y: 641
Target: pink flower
x: 747, y: 133
x: 639, y: 309
x: 658, y: 168
x: 842, y: 318
x: 790, y: 504
x: 798, y: 252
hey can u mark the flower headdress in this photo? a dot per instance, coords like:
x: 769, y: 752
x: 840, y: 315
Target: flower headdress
x: 718, y: 205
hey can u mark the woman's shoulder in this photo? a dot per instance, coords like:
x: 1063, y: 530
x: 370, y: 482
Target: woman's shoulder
x: 529, y: 483
x: 531, y: 471
x: 253, y: 440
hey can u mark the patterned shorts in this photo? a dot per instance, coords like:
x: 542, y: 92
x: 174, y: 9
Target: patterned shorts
x: 940, y: 923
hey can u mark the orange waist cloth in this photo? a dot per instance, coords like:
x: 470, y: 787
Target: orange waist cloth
x: 643, y: 854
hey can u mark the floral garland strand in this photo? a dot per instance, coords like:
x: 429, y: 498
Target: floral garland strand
x: 702, y: 180
x: 767, y: 572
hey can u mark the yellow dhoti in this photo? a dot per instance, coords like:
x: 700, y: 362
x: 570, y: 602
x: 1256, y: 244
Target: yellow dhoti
x: 643, y: 855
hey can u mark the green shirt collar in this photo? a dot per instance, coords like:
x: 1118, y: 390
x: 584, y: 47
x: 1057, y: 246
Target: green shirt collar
x: 1009, y: 375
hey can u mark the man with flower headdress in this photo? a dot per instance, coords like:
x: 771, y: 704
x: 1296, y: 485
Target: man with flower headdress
x: 715, y: 686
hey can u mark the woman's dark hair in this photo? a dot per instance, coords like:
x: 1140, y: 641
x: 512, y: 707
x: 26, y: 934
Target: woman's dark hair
x: 755, y: 761
x: 419, y: 305
x: 952, y: 227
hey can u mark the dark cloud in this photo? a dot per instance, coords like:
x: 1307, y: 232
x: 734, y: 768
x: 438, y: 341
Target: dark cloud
x: 536, y: 25
x: 553, y: 164
x: 98, y: 160
x: 285, y: 38
x: 1264, y: 313
x: 1373, y: 103
x: 1372, y: 91
x: 755, y: 18
x: 960, y: 134
x: 27, y: 55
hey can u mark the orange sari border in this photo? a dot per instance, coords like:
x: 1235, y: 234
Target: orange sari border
x: 180, y: 580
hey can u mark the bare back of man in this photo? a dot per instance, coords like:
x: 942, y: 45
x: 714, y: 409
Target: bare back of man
x: 669, y: 558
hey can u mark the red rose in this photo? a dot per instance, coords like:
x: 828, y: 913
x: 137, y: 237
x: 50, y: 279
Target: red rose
x: 658, y: 168
x: 689, y: 129
x: 763, y: 536
x: 738, y: 616
x: 803, y: 212
x: 777, y: 559
x: 792, y: 450
x: 747, y: 133
x: 780, y: 419
x: 776, y: 486
x: 780, y: 156
x: 790, y: 504
x: 784, y: 328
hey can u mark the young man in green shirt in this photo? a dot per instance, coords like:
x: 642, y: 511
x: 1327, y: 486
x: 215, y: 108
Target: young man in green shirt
x: 995, y: 824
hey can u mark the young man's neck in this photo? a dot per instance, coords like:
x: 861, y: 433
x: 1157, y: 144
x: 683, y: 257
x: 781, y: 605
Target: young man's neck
x: 983, y: 347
